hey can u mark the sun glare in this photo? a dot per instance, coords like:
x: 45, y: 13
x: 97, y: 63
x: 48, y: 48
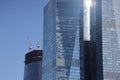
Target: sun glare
x: 86, y: 11
x: 88, y: 3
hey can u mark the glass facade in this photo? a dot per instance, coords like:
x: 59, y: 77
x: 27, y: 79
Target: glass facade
x: 105, y: 21
x: 64, y: 46
x: 33, y: 71
x: 111, y: 39
x: 61, y: 59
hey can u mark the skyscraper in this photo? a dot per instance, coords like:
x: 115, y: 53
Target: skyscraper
x: 61, y: 59
x: 105, y: 27
x: 81, y: 42
x: 110, y: 12
x: 103, y: 62
x: 33, y: 65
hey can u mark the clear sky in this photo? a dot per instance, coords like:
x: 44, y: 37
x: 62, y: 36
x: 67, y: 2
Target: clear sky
x: 19, y: 19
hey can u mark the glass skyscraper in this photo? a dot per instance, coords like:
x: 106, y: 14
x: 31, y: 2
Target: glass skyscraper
x: 61, y: 59
x: 105, y: 27
x: 33, y: 65
x: 111, y: 39
x: 68, y: 53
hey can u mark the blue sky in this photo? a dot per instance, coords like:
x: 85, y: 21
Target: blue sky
x: 19, y: 19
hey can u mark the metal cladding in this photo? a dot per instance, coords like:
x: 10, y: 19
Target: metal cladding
x: 33, y: 56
